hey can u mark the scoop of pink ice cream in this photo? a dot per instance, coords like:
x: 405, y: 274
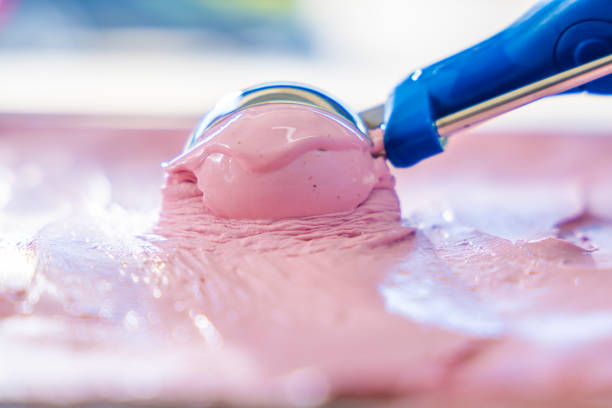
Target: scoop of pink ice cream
x: 278, y: 161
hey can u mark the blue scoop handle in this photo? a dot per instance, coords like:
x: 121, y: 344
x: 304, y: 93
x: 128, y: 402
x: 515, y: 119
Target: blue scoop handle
x: 552, y: 37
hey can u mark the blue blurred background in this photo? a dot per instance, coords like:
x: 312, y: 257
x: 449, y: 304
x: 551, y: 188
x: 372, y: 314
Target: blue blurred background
x: 266, y: 25
x: 177, y: 57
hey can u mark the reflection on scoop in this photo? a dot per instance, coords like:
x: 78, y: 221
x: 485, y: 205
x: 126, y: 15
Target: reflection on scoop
x: 278, y: 161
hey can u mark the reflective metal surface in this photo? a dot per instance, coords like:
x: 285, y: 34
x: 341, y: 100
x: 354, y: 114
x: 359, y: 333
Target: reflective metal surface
x: 373, y: 117
x: 564, y: 81
x: 274, y: 92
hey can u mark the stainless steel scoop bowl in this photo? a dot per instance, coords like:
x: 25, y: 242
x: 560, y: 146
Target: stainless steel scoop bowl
x: 274, y: 92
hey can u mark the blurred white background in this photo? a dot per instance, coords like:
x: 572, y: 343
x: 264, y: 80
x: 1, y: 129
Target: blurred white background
x: 358, y: 50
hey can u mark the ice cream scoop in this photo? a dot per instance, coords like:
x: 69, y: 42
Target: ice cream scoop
x: 281, y: 160
x: 558, y: 46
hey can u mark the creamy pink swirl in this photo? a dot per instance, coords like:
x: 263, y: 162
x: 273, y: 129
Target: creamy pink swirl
x: 279, y: 161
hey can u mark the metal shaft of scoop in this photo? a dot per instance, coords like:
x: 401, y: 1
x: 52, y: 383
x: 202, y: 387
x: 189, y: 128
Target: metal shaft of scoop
x: 553, y: 85
x: 501, y: 104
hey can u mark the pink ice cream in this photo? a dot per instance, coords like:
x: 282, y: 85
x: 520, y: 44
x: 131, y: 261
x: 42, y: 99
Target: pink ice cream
x: 278, y: 161
x: 492, y: 290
